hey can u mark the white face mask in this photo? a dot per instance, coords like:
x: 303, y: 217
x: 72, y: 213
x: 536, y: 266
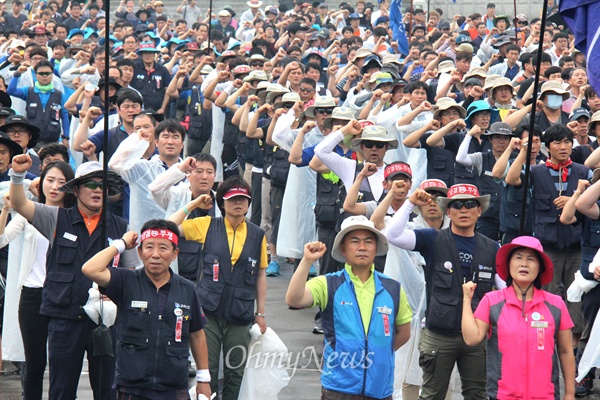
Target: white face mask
x: 554, y: 101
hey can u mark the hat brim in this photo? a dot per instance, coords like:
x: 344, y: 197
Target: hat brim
x: 5, y: 99
x: 115, y: 182
x: 237, y: 195
x: 417, y: 211
x: 33, y: 130
x: 495, y: 113
x: 328, y: 123
x: 484, y: 201
x: 148, y: 50
x: 257, y: 5
x: 310, y: 111
x: 565, y: 95
x: 271, y: 95
x: 502, y: 263
x: 336, y: 250
x: 14, y: 147
x: 461, y: 111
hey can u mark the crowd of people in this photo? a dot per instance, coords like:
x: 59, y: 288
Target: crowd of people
x: 391, y: 171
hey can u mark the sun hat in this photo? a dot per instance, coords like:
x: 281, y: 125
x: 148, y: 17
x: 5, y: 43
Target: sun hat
x: 370, y: 60
x: 374, y: 133
x: 320, y: 102
x: 500, y: 128
x: 500, y: 82
x: 446, y: 103
x: 504, y: 17
x: 502, y: 258
x: 147, y: 47
x: 360, y: 53
x: 286, y: 98
x: 224, y: 13
x: 354, y: 223
x: 341, y: 113
x: 93, y: 169
x: 237, y: 191
x: 273, y: 90
x: 502, y: 40
x: 256, y: 75
x: 13, y: 146
x: 254, y: 3
x: 489, y: 81
x: 23, y: 121
x: 445, y: 67
x: 256, y: 57
x: 479, y: 106
x: 595, y: 118
x: 463, y: 191
x: 556, y: 88
x: 261, y: 87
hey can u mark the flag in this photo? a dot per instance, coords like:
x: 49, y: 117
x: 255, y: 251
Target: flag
x: 582, y: 18
x: 399, y: 34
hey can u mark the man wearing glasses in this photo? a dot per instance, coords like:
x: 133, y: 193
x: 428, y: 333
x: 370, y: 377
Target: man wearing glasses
x: 75, y: 236
x: 453, y: 256
x: 45, y: 104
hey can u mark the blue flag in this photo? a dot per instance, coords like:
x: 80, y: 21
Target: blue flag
x: 399, y: 34
x: 582, y: 18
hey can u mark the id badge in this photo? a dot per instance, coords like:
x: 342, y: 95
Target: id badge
x: 216, y: 271
x: 540, y: 338
x: 386, y: 324
x: 178, y: 324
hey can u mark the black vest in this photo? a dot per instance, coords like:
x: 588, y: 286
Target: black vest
x: 469, y: 176
x: 440, y: 165
x: 444, y: 288
x: 200, y: 119
x: 231, y: 294
x: 327, y: 208
x: 47, y: 119
x: 147, y: 354
x: 280, y: 167
x: 546, y: 224
x: 488, y: 185
x: 590, y: 243
x: 65, y: 290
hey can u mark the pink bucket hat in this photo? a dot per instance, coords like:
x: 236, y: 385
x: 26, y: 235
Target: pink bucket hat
x: 502, y: 258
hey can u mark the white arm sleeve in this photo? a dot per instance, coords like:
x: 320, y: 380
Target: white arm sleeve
x: 342, y: 167
x: 397, y: 233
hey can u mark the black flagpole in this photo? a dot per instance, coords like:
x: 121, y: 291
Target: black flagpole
x: 209, y: 25
x: 536, y: 84
x: 106, y: 118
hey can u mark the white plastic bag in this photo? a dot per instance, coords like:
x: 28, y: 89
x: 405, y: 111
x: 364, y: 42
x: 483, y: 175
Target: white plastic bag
x: 591, y: 355
x: 579, y: 286
x: 92, y: 307
x: 265, y: 373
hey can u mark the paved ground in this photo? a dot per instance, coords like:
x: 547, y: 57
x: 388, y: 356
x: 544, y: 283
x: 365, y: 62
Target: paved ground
x: 293, y: 327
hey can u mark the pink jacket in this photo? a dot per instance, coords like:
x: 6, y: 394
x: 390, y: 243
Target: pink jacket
x: 521, y: 361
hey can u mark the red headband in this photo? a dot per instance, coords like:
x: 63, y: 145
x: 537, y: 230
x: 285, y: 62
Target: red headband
x: 161, y: 234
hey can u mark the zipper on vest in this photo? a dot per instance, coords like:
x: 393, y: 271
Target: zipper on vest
x: 366, y: 350
x: 156, y: 353
x: 233, y: 246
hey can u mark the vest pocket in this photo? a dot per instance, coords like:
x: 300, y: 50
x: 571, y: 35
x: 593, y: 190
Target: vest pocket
x: 242, y: 305
x: 137, y: 320
x: 251, y: 272
x: 67, y: 250
x: 189, y: 250
x: 58, y: 287
x: 443, y: 310
x: 176, y: 366
x: 209, y: 294
x: 133, y: 359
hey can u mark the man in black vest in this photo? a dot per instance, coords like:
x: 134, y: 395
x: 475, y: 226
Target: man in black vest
x: 75, y: 236
x: 452, y: 256
x: 157, y: 309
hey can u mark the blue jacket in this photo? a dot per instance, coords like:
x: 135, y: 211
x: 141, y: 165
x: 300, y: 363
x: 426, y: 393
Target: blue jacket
x: 355, y: 363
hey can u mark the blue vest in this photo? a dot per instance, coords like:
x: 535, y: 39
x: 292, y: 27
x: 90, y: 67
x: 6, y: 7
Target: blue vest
x: 147, y: 354
x: 546, y: 225
x: 231, y: 294
x: 355, y: 363
x: 65, y: 290
x: 48, y: 118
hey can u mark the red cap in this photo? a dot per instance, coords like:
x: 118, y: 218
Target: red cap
x: 192, y: 46
x: 397, y: 168
x: 365, y: 123
x: 40, y: 30
x: 463, y: 188
x: 236, y: 191
x: 434, y: 184
x: 241, y: 69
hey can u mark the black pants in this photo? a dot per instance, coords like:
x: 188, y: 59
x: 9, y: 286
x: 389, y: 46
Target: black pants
x: 34, y: 331
x: 255, y: 218
x: 68, y: 341
x: 328, y: 264
x: 276, y: 202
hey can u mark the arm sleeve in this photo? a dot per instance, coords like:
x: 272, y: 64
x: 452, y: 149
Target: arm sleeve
x: 160, y: 188
x: 282, y: 133
x: 13, y: 90
x: 307, y: 156
x: 397, y: 233
x: 482, y: 312
x: 318, y: 289
x: 342, y: 167
x: 404, y: 315
x: 12, y: 230
x: 64, y: 116
x: 44, y: 220
x: 462, y: 156
x: 195, y: 229
x: 130, y: 259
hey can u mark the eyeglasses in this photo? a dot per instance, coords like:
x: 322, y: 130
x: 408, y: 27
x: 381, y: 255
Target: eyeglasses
x: 449, y: 114
x: 18, y: 133
x: 324, y: 111
x: 468, y: 204
x: 44, y: 73
x: 288, y: 105
x: 93, y: 185
x: 257, y: 64
x: 307, y: 90
x: 38, y: 59
x: 369, y: 144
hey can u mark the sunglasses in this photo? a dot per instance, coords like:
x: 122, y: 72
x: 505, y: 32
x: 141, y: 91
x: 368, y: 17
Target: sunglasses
x: 257, y: 64
x: 93, y: 185
x: 468, y: 204
x: 44, y: 73
x: 369, y: 144
x: 288, y: 105
x: 306, y: 90
x: 323, y: 111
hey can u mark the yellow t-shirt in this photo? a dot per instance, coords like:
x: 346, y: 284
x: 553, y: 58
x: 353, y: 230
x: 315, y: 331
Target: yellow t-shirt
x: 196, y: 229
x: 365, y: 294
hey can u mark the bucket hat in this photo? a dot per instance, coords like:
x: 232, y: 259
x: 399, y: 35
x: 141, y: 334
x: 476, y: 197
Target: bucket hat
x: 354, y: 223
x: 341, y: 113
x: 502, y: 258
x: 478, y: 106
x: 89, y: 170
x: 463, y: 191
x: 374, y: 133
x: 446, y: 103
x: 320, y: 102
x: 23, y: 121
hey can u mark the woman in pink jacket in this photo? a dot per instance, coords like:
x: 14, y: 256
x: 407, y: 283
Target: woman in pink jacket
x: 524, y: 324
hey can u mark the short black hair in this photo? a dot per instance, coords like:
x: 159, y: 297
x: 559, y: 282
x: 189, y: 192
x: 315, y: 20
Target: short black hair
x: 205, y: 157
x: 559, y: 35
x: 564, y: 60
x: 162, y: 224
x: 513, y: 47
x: 537, y: 132
x: 126, y: 62
x: 169, y: 125
x: 52, y: 150
x: 557, y: 132
x: 552, y: 70
x: 309, y: 81
x: 58, y: 43
x: 411, y: 87
x: 145, y: 114
x: 129, y: 94
x: 231, y: 182
x: 42, y: 64
x: 38, y: 51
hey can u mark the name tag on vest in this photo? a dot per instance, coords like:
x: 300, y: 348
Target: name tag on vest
x: 70, y: 236
x: 139, y: 304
